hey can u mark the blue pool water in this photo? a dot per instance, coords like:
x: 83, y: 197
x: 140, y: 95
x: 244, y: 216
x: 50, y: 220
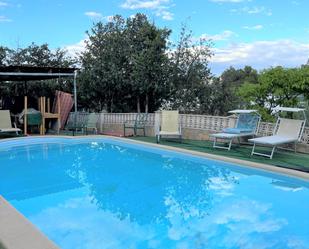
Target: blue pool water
x: 97, y: 194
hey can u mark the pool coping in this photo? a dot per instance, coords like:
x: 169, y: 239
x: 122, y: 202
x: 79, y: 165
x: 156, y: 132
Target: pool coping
x: 14, y: 225
x: 16, y: 231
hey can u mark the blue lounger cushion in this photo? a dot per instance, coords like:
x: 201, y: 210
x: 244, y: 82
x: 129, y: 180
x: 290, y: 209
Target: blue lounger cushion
x: 237, y: 130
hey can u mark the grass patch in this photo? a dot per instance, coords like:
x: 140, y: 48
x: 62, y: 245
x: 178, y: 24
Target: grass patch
x: 2, y: 246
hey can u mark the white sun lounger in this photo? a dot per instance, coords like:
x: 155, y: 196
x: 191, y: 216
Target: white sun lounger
x: 169, y: 125
x: 229, y: 137
x: 286, y: 131
x: 5, y: 123
x: 246, y: 125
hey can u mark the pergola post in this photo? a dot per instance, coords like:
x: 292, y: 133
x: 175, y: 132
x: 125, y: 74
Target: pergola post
x: 25, y: 114
x: 75, y: 92
x: 75, y: 97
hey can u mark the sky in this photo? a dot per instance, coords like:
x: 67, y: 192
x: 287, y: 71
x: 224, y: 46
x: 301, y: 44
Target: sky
x: 260, y: 33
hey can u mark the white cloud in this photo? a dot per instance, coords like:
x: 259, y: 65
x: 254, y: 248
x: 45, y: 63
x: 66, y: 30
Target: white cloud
x: 255, y: 27
x: 77, y: 48
x: 3, y: 4
x: 229, y: 1
x: 247, y: 224
x: 253, y: 11
x: 93, y: 228
x: 141, y: 4
x: 159, y: 7
x: 223, y: 36
x: 93, y: 14
x: 5, y: 19
x: 98, y: 16
x: 295, y: 2
x: 260, y: 54
x: 289, y: 189
x: 223, y: 187
x: 166, y: 15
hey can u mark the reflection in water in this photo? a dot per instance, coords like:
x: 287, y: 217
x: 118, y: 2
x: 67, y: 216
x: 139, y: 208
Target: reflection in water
x: 286, y: 186
x: 134, y: 176
x: 101, y: 195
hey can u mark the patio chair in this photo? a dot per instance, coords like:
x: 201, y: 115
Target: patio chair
x: 5, y: 123
x: 34, y: 119
x: 75, y: 125
x: 138, y: 124
x: 246, y: 125
x: 286, y: 131
x: 169, y: 125
x: 91, y: 123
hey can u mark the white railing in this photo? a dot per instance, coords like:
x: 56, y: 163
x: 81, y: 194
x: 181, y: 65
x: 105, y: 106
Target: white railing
x: 189, y: 121
x: 204, y: 122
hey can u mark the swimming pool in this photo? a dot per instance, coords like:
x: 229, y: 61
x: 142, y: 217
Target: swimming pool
x: 105, y: 193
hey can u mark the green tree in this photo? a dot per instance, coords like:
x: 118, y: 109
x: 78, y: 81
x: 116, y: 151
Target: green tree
x: 304, y: 80
x: 147, y: 60
x: 224, y: 89
x: 3, y: 55
x: 39, y: 55
x: 103, y: 65
x: 276, y: 87
x: 189, y: 73
x: 124, y: 64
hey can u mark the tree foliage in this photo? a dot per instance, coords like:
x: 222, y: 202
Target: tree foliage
x: 276, y: 87
x: 3, y: 55
x: 124, y: 63
x: 189, y: 73
x: 102, y: 77
x: 223, y: 90
x: 148, y: 61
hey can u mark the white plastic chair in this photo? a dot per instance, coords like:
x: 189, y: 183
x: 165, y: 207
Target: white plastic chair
x: 169, y: 125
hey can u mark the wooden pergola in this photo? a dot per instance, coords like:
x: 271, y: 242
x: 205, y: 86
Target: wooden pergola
x: 23, y: 74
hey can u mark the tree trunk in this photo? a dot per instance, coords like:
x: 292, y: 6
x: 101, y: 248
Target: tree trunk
x: 146, y: 103
x: 100, y: 105
x: 111, y: 104
x: 138, y: 105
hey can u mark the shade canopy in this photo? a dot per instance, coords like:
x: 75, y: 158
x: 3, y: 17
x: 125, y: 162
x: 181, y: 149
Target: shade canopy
x: 288, y: 109
x: 32, y: 73
x: 28, y: 73
x: 291, y: 109
x: 243, y: 111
